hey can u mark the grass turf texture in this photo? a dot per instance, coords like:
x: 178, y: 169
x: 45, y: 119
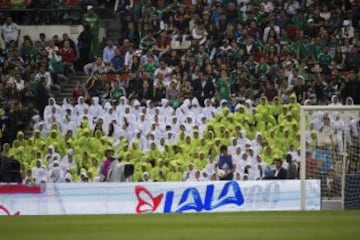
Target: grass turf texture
x: 245, y: 225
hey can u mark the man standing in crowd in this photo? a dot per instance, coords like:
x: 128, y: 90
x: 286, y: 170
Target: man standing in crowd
x: 91, y: 19
x: 325, y: 143
x: 10, y: 31
x: 226, y: 164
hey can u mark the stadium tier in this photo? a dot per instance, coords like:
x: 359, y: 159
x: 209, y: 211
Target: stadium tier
x: 181, y: 91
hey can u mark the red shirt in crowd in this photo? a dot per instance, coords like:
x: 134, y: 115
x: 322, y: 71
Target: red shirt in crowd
x: 68, y: 55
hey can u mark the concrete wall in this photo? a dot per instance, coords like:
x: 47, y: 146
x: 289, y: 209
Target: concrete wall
x: 50, y: 30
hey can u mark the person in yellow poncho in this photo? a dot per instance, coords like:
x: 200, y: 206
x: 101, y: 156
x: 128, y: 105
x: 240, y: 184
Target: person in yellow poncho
x: 83, y: 141
x: 285, y: 141
x: 203, y: 145
x: 36, y: 139
x: 294, y: 106
x: 276, y: 108
x: 55, y: 138
x: 188, y: 147
x: 283, y: 114
x: 21, y: 138
x: 140, y: 169
x: 289, y: 121
x: 268, y: 154
x: 6, y: 149
x: 196, y: 138
x: 94, y: 168
x: 179, y: 157
x: 123, y: 150
x: 160, y: 171
x: 201, y: 161
x: 251, y: 133
x: 241, y: 116
x: 174, y: 175
x: 85, y: 161
x: 168, y: 152
x: 209, y: 136
x: 135, y: 152
x: 14, y: 148
x: 272, y: 138
x: 153, y: 152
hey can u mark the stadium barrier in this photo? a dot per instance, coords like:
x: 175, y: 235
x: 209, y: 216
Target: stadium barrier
x: 50, y: 30
x: 165, y: 197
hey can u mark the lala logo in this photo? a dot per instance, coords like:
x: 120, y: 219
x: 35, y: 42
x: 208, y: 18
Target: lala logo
x: 6, y: 212
x: 190, y: 199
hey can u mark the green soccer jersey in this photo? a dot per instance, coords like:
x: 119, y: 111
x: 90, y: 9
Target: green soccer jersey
x: 92, y: 20
x: 224, y: 88
x: 147, y: 43
x: 116, y: 94
x: 324, y: 59
x: 151, y: 67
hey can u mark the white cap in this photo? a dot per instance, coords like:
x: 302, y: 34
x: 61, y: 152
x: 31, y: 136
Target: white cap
x: 89, y: 7
x: 68, y: 176
x: 346, y: 23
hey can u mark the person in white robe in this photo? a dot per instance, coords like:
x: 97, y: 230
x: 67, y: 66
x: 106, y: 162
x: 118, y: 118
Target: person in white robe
x: 69, y: 162
x: 66, y: 105
x: 68, y: 123
x: 95, y: 108
x: 48, y: 108
x: 56, y: 174
x: 257, y: 143
x: 39, y: 171
x: 189, y: 175
x: 146, y: 177
x: 52, y: 118
x: 232, y: 147
x: 208, y: 110
x: 242, y: 139
x: 79, y: 107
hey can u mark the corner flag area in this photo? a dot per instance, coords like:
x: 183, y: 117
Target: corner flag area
x: 325, y: 225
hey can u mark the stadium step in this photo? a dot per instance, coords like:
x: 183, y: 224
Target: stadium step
x: 67, y: 87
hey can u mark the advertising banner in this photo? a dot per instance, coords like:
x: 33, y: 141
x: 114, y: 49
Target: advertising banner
x: 164, y: 197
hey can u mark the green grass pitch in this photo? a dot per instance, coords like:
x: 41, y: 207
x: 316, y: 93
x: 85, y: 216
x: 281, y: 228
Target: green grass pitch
x: 340, y: 225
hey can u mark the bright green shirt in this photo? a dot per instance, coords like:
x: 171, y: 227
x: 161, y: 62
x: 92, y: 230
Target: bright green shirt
x: 224, y: 88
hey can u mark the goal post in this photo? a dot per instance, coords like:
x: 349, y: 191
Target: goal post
x: 329, y: 145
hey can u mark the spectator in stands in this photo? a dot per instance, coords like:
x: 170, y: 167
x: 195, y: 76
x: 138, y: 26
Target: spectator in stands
x: 10, y: 31
x: 85, y: 40
x: 91, y: 19
x: 109, y: 52
x: 292, y: 171
x: 117, y: 62
x: 117, y: 92
x: 71, y: 42
x: 78, y: 91
x: 95, y: 85
x: 325, y: 143
x: 45, y: 76
x: 43, y: 43
x: 226, y: 164
x: 173, y: 93
x: 97, y: 66
x: 279, y: 172
x: 68, y: 55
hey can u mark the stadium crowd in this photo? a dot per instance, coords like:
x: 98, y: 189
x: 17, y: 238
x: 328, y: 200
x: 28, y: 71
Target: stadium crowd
x: 183, y: 80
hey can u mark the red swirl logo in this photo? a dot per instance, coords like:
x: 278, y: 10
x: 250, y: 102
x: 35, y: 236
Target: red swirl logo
x: 146, y: 201
x: 7, y: 212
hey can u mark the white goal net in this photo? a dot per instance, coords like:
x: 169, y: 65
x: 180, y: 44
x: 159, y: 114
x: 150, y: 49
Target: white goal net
x: 330, y: 152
